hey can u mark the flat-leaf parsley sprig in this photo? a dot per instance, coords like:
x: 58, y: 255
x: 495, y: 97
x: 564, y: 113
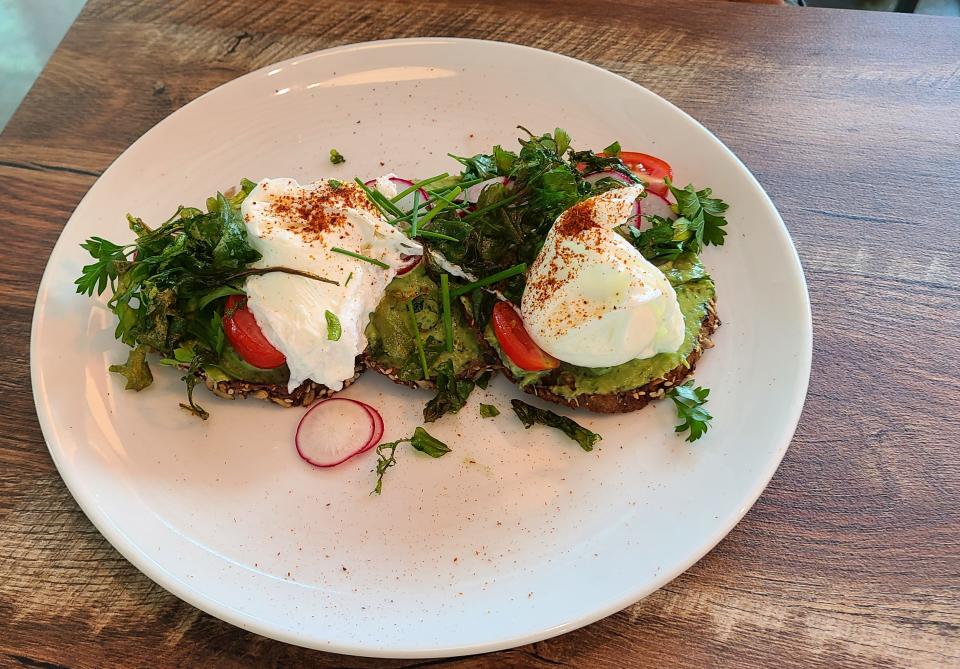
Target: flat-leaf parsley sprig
x: 689, y: 401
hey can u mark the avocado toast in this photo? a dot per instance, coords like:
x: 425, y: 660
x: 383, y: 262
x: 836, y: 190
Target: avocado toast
x: 412, y: 302
x: 570, y: 271
x: 632, y: 385
x: 528, y: 195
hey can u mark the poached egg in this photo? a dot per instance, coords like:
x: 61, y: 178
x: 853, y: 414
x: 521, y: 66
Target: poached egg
x: 592, y: 299
x: 297, y: 226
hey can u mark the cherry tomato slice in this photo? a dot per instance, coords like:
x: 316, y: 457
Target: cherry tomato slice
x: 516, y: 343
x: 246, y: 337
x: 650, y: 169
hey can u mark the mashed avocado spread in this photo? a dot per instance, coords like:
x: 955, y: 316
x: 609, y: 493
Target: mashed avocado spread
x: 391, y: 337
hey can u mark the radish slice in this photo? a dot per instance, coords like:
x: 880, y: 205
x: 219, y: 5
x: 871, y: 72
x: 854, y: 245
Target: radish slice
x: 328, y: 432
x: 377, y: 426
x: 390, y: 185
x: 656, y: 205
x: 409, y: 262
x: 472, y: 194
x: 641, y: 205
x: 609, y: 174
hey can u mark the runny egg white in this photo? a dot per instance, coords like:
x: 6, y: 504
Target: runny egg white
x: 297, y: 226
x: 591, y: 298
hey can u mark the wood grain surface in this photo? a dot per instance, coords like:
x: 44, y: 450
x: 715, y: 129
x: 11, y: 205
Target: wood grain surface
x: 850, y: 120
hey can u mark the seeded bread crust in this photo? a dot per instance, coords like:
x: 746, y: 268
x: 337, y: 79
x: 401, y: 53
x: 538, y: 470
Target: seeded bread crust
x: 623, y: 402
x: 305, y: 395
x: 637, y: 398
x: 475, y: 369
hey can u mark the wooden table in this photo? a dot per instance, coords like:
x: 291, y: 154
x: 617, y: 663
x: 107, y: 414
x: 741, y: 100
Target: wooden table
x: 851, y: 120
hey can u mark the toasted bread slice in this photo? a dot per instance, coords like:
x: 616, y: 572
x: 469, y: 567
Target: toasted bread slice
x: 305, y: 395
x: 635, y: 398
x: 471, y: 371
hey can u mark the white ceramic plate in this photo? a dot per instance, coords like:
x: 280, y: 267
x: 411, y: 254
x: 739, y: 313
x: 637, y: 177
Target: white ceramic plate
x: 515, y: 536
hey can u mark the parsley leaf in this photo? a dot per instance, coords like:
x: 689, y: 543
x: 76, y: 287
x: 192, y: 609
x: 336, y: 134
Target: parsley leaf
x: 421, y: 440
x: 613, y: 149
x: 703, y: 215
x: 336, y: 157
x: 425, y: 443
x: 700, y: 222
x: 480, y: 166
x: 452, y: 394
x: 661, y: 242
x: 690, y: 410
x: 232, y: 250
x: 135, y: 369
x: 105, y: 270
x: 488, y: 410
x: 529, y: 415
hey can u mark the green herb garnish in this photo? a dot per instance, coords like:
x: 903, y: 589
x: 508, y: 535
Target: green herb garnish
x: 416, y: 213
x: 435, y: 235
x: 438, y: 207
x: 494, y: 278
x: 380, y: 200
x: 445, y: 307
x: 417, y: 186
x: 192, y: 378
x: 699, y: 223
x: 488, y: 410
x: 415, y: 330
x: 347, y: 282
x: 690, y: 410
x: 529, y: 415
x: 659, y: 243
x: 704, y: 215
x: 421, y: 441
x: 169, y: 285
x: 514, y: 213
x: 492, y: 207
x: 425, y: 443
x: 135, y: 369
x: 452, y: 394
x: 259, y: 271
x: 372, y: 261
x: 336, y: 157
x: 484, y: 379
x: 96, y: 276
x: 334, y: 331
x: 612, y: 150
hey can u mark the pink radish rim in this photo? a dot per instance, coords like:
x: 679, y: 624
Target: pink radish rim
x: 411, y: 263
x: 376, y: 431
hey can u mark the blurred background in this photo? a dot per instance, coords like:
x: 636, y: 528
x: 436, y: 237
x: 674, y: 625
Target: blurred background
x: 30, y: 30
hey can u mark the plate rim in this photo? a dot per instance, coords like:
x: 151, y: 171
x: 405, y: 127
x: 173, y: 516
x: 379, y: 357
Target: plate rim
x: 168, y: 581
